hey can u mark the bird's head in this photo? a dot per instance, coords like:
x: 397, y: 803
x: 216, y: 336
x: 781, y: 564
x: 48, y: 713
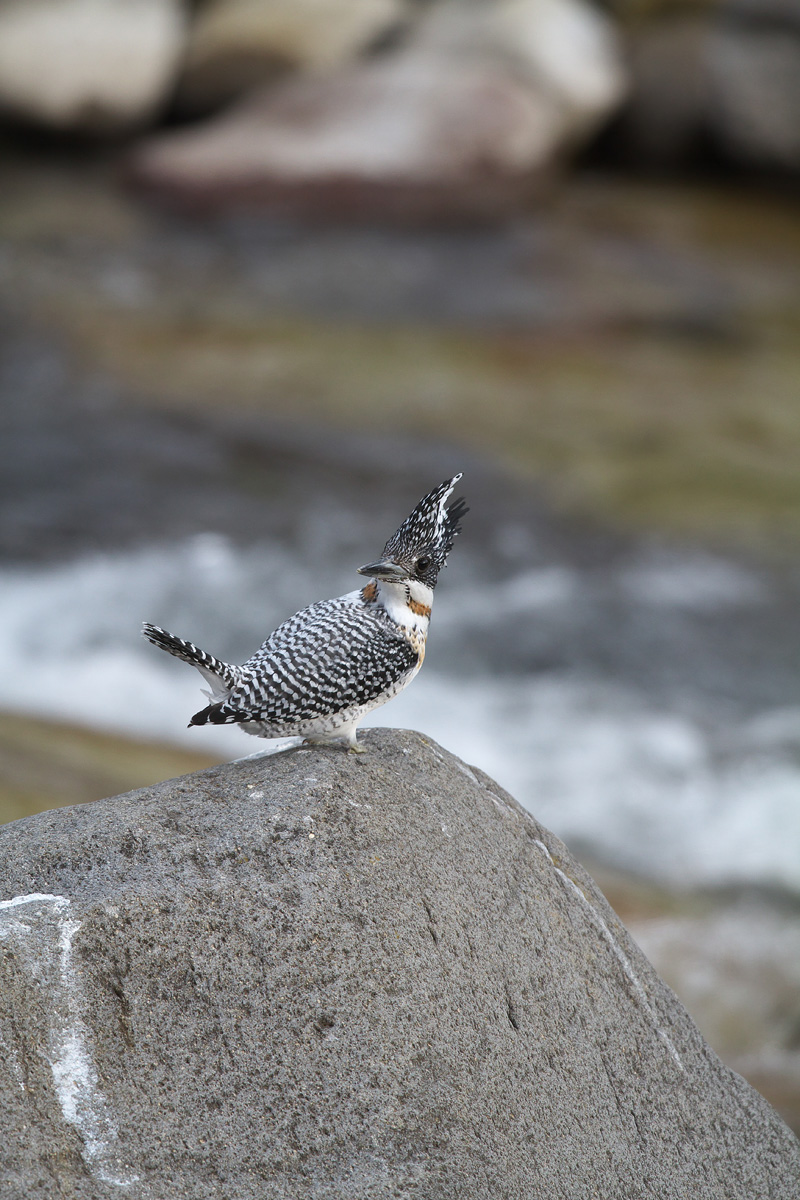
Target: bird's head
x: 419, y: 548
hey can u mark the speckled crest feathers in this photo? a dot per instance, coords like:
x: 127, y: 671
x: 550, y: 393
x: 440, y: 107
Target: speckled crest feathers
x: 431, y: 527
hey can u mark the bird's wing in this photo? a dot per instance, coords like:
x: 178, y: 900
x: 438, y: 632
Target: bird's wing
x: 332, y: 656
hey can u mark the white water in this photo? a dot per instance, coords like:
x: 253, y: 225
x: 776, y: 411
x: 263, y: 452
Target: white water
x: 643, y: 786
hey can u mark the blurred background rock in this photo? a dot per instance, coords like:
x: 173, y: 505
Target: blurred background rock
x: 270, y: 270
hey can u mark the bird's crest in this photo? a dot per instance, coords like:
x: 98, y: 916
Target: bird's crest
x: 431, y: 527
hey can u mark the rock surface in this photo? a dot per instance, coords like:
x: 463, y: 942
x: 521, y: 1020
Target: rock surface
x: 316, y: 975
x: 454, y: 124
x: 93, y: 66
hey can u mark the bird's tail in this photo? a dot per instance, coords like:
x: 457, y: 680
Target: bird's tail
x: 214, y: 670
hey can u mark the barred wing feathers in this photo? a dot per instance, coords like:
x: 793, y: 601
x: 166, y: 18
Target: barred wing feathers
x: 332, y: 656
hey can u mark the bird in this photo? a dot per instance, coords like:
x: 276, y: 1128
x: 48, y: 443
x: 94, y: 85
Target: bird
x: 321, y: 671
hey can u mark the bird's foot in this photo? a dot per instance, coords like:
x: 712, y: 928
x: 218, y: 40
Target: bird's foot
x: 350, y: 746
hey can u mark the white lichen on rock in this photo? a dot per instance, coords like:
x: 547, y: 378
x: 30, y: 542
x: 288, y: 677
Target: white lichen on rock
x: 40, y: 928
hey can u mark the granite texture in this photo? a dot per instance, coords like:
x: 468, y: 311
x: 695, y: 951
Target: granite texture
x: 332, y: 976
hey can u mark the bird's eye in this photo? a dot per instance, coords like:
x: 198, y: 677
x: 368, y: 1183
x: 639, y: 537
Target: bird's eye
x: 423, y: 562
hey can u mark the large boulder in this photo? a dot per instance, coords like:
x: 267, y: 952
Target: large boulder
x: 91, y: 66
x: 457, y: 122
x: 324, y: 975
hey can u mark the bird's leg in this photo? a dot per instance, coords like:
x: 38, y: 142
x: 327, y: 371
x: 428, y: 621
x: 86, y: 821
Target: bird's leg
x: 353, y: 745
x: 348, y: 743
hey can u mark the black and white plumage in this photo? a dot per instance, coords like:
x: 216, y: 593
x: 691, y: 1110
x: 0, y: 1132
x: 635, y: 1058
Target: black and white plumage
x: 325, y: 668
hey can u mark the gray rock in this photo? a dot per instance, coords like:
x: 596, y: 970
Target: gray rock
x: 316, y: 975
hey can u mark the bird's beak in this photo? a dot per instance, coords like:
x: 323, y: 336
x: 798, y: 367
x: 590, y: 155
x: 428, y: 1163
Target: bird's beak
x: 385, y: 569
